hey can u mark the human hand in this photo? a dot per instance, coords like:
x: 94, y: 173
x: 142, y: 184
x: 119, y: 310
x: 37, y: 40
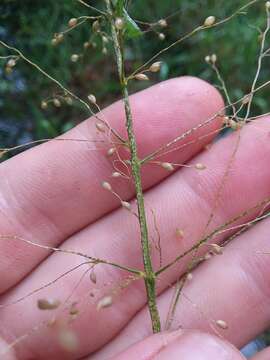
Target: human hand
x: 51, y: 195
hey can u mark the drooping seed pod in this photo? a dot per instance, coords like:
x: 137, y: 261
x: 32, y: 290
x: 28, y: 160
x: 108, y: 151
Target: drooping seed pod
x: 56, y: 102
x: 126, y: 205
x: 213, y: 58
x: 72, y: 22
x: 44, y: 104
x: 200, y: 166
x: 189, y: 276
x: 167, y: 166
x: 111, y: 151
x: 155, y: 67
x: 222, y: 324
x: 74, y: 57
x: 106, y: 185
x: 59, y: 37
x: 69, y: 100
x: 100, y: 126
x: 105, y: 302
x: 11, y: 63
x: 163, y: 23
x: 234, y: 125
x: 207, y: 59
x: 216, y: 249
x: 119, y: 23
x: 96, y: 26
x: 116, y: 174
x: 48, y: 304
x: 93, y: 277
x: 161, y: 36
x: 54, y: 42
x: 209, y: 21
x: 179, y: 233
x: 92, y: 98
x: 141, y: 77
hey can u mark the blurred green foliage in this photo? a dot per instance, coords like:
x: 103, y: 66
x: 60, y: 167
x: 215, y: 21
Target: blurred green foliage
x: 31, y: 25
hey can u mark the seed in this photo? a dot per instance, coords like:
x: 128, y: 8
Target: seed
x: 189, y: 276
x: 167, y: 166
x: 72, y: 22
x: 106, y: 186
x: 48, y: 304
x: 119, y: 23
x: 207, y: 59
x: 209, y: 21
x: 126, y: 205
x: 200, y: 166
x: 179, y: 233
x: 54, y: 42
x: 162, y: 23
x: 59, y: 37
x: 74, y: 57
x: 104, y: 302
x: 234, y: 125
x: 161, y: 36
x: 68, y: 340
x: 56, y: 102
x: 155, y: 67
x: 93, y: 277
x: 92, y: 98
x: 213, y: 58
x: 11, y: 63
x: 111, y: 151
x: 69, y: 100
x: 222, y: 324
x: 104, y: 51
x: 105, y: 39
x: 95, y: 26
x: 100, y: 127
x: 141, y: 77
x: 267, y: 5
x: 86, y: 44
x: 116, y: 174
x: 44, y: 105
x: 216, y: 249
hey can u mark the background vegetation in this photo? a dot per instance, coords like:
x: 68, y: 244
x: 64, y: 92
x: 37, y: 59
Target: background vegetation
x: 31, y: 25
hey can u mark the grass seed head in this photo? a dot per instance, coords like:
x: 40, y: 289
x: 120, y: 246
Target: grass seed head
x: 72, y: 22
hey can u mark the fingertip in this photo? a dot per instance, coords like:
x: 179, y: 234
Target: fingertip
x: 188, y: 345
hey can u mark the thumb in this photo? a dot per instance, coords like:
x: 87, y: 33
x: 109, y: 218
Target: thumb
x: 188, y: 345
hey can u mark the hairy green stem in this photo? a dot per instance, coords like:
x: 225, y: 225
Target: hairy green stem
x: 150, y: 277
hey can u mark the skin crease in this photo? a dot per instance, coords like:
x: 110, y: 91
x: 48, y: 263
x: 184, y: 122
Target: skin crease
x: 239, y: 273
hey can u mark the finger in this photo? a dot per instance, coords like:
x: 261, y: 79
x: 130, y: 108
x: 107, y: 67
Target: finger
x: 54, y: 190
x: 189, y: 345
x: 173, y: 201
x: 262, y: 355
x: 237, y: 294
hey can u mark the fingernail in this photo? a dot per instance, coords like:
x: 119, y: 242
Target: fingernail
x: 192, y: 345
